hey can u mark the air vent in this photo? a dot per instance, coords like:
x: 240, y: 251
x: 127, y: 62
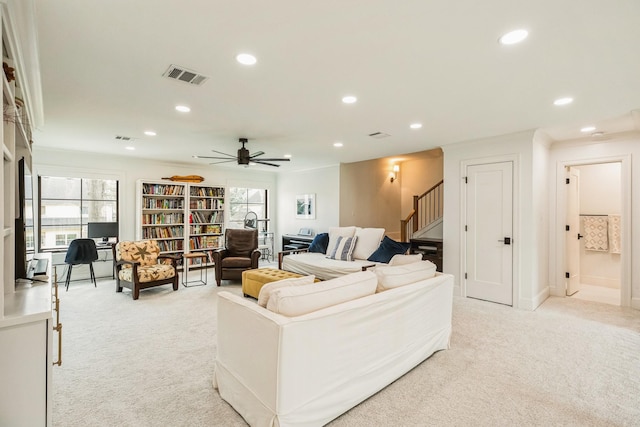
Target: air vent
x: 123, y: 138
x: 379, y: 135
x: 182, y: 74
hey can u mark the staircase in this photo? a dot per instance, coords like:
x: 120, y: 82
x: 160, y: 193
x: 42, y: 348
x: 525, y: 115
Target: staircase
x: 425, y: 219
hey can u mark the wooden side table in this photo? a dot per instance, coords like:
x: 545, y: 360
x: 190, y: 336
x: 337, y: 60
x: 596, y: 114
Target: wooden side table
x: 185, y: 269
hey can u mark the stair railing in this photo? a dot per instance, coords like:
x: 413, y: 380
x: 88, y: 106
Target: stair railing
x: 427, y: 208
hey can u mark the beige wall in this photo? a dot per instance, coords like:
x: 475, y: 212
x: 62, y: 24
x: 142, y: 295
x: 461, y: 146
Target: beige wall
x: 369, y: 199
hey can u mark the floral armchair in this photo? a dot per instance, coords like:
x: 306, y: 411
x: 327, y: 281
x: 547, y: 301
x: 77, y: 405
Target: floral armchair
x: 137, y: 266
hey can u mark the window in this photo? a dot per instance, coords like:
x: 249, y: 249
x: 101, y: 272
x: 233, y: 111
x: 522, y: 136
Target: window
x: 244, y: 200
x: 68, y: 204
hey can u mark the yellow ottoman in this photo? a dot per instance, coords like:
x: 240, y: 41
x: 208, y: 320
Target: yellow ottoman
x: 252, y: 280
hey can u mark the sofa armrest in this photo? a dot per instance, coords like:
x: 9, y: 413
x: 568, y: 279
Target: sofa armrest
x: 368, y: 266
x: 282, y: 254
x: 173, y: 258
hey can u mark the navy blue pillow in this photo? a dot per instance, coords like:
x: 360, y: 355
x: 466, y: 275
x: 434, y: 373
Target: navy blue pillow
x: 320, y: 243
x: 387, y: 249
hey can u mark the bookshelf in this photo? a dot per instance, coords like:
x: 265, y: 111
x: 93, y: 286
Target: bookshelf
x: 182, y: 217
x: 206, y: 220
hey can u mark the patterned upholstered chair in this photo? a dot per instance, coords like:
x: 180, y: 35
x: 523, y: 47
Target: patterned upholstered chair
x: 239, y: 254
x: 138, y: 267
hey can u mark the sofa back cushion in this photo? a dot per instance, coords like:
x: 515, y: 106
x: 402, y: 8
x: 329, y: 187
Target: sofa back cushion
x: 335, y: 232
x: 387, y: 249
x: 390, y: 277
x: 299, y: 300
x: 402, y: 259
x: 268, y: 288
x: 368, y: 241
x: 320, y: 243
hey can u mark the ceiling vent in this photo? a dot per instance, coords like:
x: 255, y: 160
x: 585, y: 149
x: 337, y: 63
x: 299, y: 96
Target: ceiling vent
x: 182, y: 74
x: 123, y: 138
x: 379, y: 135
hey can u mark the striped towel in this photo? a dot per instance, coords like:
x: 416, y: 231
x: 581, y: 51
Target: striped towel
x: 615, y: 246
x: 595, y: 233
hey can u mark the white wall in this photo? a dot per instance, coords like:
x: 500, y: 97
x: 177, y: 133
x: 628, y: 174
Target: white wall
x: 621, y: 147
x: 529, y: 154
x: 600, y: 194
x: 325, y: 184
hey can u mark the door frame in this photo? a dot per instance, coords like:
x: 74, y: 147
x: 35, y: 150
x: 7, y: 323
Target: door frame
x: 561, y: 213
x: 464, y: 165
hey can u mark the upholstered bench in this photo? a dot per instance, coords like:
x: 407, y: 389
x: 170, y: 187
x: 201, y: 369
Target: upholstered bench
x: 253, y: 280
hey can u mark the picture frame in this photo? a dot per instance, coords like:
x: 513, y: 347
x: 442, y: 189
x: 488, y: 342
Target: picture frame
x: 306, y: 206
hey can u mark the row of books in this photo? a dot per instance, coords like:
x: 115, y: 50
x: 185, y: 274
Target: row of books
x: 162, y: 232
x: 164, y: 189
x: 206, y: 229
x: 163, y: 218
x: 207, y: 191
x: 153, y: 203
x: 206, y: 204
x: 171, y: 245
x: 207, y: 217
x: 202, y: 242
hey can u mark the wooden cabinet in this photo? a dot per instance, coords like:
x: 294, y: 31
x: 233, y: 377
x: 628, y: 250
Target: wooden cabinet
x: 431, y: 250
x: 181, y: 217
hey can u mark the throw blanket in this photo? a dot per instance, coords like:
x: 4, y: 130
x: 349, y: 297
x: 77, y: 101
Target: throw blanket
x: 614, y: 234
x: 595, y: 233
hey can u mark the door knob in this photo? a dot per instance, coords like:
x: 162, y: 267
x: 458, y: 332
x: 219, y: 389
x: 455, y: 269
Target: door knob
x: 580, y: 236
x: 506, y: 240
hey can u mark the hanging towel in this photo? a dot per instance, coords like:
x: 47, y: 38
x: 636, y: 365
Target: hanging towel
x: 595, y: 233
x: 615, y: 246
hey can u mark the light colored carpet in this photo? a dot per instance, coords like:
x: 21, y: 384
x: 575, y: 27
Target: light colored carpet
x: 150, y: 363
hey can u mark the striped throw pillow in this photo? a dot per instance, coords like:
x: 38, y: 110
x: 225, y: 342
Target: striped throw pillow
x: 343, y: 250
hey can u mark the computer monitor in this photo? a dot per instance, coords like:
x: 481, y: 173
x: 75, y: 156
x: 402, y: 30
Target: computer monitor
x: 102, y: 230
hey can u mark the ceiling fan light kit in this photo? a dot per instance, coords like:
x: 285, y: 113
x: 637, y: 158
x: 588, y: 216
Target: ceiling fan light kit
x: 244, y: 157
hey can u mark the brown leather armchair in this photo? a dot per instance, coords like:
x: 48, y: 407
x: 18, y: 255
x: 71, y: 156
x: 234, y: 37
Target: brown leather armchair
x: 239, y: 254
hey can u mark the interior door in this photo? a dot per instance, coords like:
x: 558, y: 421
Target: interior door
x: 489, y: 232
x: 573, y: 234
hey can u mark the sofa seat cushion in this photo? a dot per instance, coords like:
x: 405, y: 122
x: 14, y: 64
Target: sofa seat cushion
x: 390, y: 277
x: 149, y: 273
x: 298, y: 300
x: 321, y: 266
x: 235, y: 262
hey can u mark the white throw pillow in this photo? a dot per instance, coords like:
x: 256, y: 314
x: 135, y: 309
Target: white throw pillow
x: 343, y: 250
x: 268, y: 288
x: 299, y: 300
x: 390, y: 277
x: 335, y: 232
x: 405, y: 259
x: 368, y: 241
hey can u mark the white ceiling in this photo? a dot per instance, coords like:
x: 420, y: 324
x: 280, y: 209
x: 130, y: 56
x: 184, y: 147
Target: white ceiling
x: 436, y: 62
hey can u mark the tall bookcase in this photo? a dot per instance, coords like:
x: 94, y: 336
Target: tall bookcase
x: 181, y: 217
x: 206, y: 219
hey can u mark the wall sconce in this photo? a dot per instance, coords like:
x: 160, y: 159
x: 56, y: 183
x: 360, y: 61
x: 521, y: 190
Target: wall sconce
x: 393, y: 175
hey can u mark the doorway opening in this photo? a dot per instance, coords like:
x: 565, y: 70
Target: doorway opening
x: 594, y: 218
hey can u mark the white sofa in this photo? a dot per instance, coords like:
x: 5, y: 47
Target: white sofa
x: 307, y: 370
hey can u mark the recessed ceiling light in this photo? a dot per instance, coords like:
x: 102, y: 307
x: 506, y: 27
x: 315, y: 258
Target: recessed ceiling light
x: 415, y: 125
x: 588, y: 129
x: 338, y: 144
x: 349, y: 99
x: 149, y: 133
x: 563, y: 101
x: 246, y: 59
x: 287, y: 156
x: 183, y: 108
x: 513, y: 37
x: 130, y: 148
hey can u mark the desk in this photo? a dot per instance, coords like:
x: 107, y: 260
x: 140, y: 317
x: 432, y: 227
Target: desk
x: 295, y: 241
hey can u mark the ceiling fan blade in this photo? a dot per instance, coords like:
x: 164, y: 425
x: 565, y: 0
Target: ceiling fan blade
x: 259, y: 153
x: 223, y: 161
x: 224, y: 154
x: 262, y: 162
x: 275, y: 160
x: 218, y: 158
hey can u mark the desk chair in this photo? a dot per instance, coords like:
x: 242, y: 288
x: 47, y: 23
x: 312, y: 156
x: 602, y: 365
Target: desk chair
x: 81, y: 251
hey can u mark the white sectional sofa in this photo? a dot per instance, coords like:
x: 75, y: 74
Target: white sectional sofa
x: 307, y: 369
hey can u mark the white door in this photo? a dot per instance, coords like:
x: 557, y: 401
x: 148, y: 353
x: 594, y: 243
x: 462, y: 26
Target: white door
x: 489, y: 232
x: 573, y: 233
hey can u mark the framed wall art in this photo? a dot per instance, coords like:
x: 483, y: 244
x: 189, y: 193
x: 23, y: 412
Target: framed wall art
x: 306, y: 206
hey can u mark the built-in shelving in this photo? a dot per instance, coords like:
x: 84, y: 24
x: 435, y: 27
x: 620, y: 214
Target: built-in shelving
x: 206, y: 219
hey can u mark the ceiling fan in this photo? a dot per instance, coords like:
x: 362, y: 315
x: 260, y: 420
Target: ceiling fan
x: 243, y: 157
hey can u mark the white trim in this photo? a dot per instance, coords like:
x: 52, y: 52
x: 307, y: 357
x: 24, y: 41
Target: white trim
x: 625, y: 256
x: 464, y: 164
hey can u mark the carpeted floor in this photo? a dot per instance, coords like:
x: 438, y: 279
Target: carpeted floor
x: 150, y: 363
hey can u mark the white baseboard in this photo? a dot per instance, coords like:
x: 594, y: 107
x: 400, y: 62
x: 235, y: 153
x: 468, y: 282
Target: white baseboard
x: 606, y: 282
x: 533, y: 303
x: 635, y: 303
